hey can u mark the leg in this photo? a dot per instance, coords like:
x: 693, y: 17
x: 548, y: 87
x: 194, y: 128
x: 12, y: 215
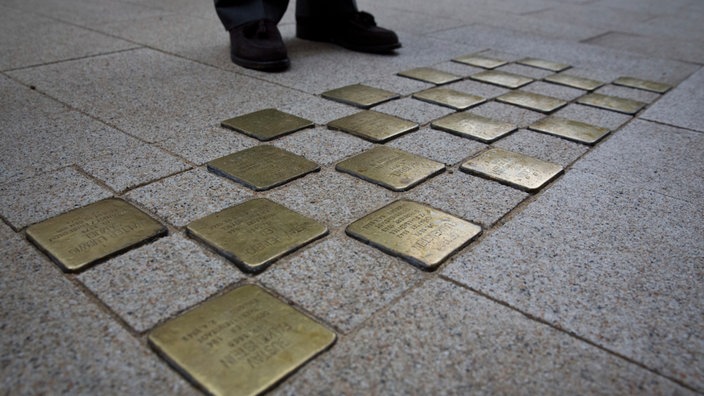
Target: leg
x: 237, y: 12
x: 325, y: 8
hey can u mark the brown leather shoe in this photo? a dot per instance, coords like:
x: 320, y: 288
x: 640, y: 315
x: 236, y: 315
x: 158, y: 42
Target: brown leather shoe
x: 258, y: 45
x: 357, y: 31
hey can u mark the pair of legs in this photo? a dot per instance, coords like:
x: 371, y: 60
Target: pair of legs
x: 234, y: 13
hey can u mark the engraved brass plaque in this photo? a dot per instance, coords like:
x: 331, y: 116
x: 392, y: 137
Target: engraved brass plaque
x: 240, y: 343
x: 450, y: 98
x: 256, y: 233
x: 645, y: 85
x: 532, y: 101
x: 81, y: 237
x: 392, y: 168
x: 544, y: 64
x: 373, y: 126
x: 267, y: 124
x: 515, y: 169
x: 612, y: 103
x: 360, y: 95
x: 502, y: 79
x: 480, y: 61
x: 418, y: 233
x: 569, y: 129
x: 262, y: 167
x: 473, y: 126
x: 574, y: 81
x: 430, y: 75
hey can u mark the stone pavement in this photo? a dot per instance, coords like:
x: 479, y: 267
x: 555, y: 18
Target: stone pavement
x: 593, y: 284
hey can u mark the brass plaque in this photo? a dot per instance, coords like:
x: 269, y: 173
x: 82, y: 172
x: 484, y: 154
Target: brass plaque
x: 480, y: 61
x: 373, y: 126
x: 360, y: 95
x: 430, y: 75
x: 613, y: 103
x: 544, y: 64
x: 418, y: 233
x: 515, y: 169
x: 569, y: 129
x: 262, y: 167
x: 76, y: 239
x: 532, y: 101
x: 240, y: 343
x: 473, y: 126
x: 256, y: 233
x: 267, y: 124
x: 502, y: 79
x: 450, y: 98
x: 645, y: 85
x: 574, y: 81
x: 392, y: 168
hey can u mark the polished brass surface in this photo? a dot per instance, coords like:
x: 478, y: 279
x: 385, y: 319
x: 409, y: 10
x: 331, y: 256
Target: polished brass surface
x: 501, y: 78
x: 262, y: 167
x: 613, y: 103
x: 373, y: 126
x: 240, y: 343
x: 420, y: 234
x: 574, y: 81
x: 480, y: 61
x: 544, y: 64
x: 360, y: 95
x: 570, y: 129
x: 450, y: 98
x: 79, y: 238
x: 430, y: 75
x: 532, y: 101
x: 267, y: 124
x: 646, y: 85
x: 392, y: 168
x: 515, y: 169
x: 256, y: 233
x: 473, y: 126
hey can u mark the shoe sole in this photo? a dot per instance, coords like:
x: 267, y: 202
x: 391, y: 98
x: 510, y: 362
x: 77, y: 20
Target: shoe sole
x: 274, y: 65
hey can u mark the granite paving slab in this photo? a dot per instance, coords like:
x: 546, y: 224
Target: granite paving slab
x: 628, y: 93
x: 591, y: 115
x: 538, y: 145
x: 681, y: 106
x: 657, y: 47
x: 322, y: 145
x: 414, y: 110
x: 507, y: 113
x: 437, y: 145
x: 210, y: 143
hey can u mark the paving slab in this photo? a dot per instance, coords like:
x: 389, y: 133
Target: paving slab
x: 437, y: 145
x: 657, y: 47
x: 591, y: 115
x: 681, y: 106
x: 515, y: 115
x: 208, y: 144
x: 323, y: 146
x: 414, y: 110
x: 545, y: 147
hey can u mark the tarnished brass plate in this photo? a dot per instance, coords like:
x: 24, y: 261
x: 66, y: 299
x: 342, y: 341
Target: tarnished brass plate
x: 501, y: 78
x: 532, y: 101
x: 79, y: 238
x: 262, y: 167
x: 480, y: 61
x: 645, y: 85
x: 574, y: 81
x: 613, y: 103
x: 267, y: 124
x: 544, y: 64
x: 473, y: 126
x: 256, y: 233
x: 450, y: 98
x: 418, y: 233
x: 430, y: 75
x: 570, y: 129
x: 360, y: 95
x: 240, y: 343
x: 392, y: 168
x: 515, y: 169
x: 373, y: 126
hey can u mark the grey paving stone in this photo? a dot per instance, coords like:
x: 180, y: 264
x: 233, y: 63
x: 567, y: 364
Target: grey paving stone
x: 456, y: 68
x: 32, y: 200
x: 545, y: 147
x: 211, y: 143
x: 625, y: 279
x: 444, y: 339
x: 604, y: 17
x: 188, y: 196
x: 401, y: 85
x: 414, y: 110
x: 57, y: 341
x: 629, y: 93
x: 472, y: 198
x: 594, y: 116
x: 18, y: 101
x: 507, y: 113
x: 333, y: 198
x: 486, y: 91
x: 341, y: 281
x: 323, y: 146
x: 437, y: 145
x: 554, y: 90
x: 527, y: 71
x: 666, y: 48
x: 681, y: 106
x: 154, y: 282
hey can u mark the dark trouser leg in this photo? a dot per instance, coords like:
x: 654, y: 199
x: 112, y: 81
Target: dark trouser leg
x: 325, y: 8
x: 236, y: 12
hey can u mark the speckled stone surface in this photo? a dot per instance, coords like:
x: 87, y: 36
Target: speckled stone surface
x: 527, y: 71
x: 156, y: 281
x: 591, y: 115
x: 323, y: 146
x: 398, y: 84
x: 437, y: 145
x: 487, y: 91
x: 413, y: 110
x: 444, y: 339
x: 207, y: 145
x: 542, y: 146
x: 554, y: 90
x: 629, y: 93
x: 681, y: 106
x: 507, y: 113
